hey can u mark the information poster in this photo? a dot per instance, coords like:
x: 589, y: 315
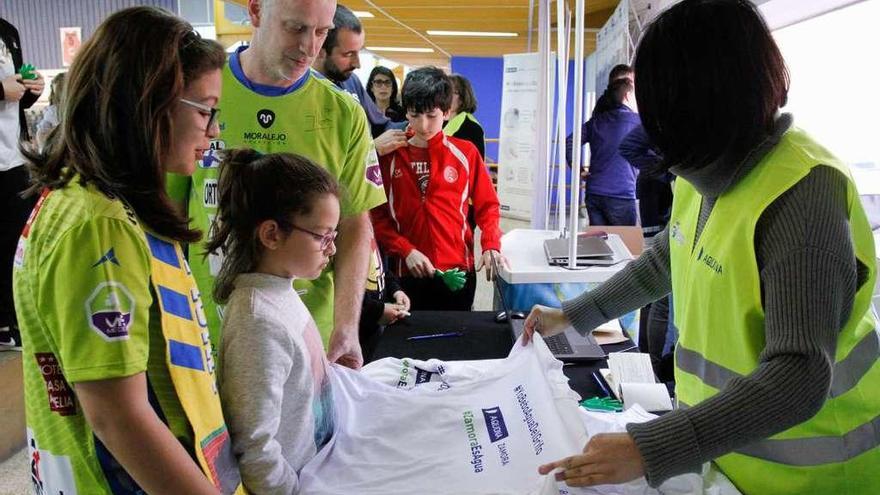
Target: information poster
x: 612, y: 44
x: 518, y: 137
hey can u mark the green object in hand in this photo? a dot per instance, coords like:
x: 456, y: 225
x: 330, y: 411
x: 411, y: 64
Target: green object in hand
x: 453, y: 278
x: 602, y: 404
x: 28, y: 71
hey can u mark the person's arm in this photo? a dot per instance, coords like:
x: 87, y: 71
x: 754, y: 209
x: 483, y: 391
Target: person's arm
x: 480, y: 140
x: 808, y: 281
x: 378, y: 121
x: 387, y: 236
x: 371, y: 309
x: 639, y: 151
x: 253, y: 395
x: 351, y: 265
x: 34, y: 90
x: 361, y: 179
x: 642, y: 281
x: 121, y: 416
x: 585, y: 133
x: 487, y: 208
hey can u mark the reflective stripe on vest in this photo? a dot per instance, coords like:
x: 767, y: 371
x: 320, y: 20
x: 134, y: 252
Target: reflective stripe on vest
x: 815, y: 451
x: 845, y: 374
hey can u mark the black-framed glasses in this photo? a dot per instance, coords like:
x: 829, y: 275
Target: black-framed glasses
x: 212, y: 112
x: 381, y: 82
x: 325, y: 239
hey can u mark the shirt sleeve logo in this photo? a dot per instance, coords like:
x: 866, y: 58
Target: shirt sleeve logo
x: 109, y: 310
x: 374, y: 175
x: 373, y: 172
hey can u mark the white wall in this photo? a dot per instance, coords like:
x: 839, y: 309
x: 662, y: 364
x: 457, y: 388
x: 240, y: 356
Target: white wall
x: 835, y: 83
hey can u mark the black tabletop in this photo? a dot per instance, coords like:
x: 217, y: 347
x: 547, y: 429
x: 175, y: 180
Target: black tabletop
x: 481, y: 338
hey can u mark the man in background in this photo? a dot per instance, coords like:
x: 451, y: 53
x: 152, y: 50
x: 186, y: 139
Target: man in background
x: 338, y: 59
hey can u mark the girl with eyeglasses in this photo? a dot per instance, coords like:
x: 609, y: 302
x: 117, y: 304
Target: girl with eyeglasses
x: 277, y: 218
x: 119, y: 380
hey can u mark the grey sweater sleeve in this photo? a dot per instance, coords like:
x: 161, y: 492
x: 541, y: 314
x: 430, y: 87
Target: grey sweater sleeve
x: 256, y: 359
x: 808, y: 276
x: 641, y: 282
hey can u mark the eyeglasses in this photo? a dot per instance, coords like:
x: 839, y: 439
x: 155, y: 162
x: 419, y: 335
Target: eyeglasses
x: 381, y: 82
x: 212, y: 112
x: 325, y: 239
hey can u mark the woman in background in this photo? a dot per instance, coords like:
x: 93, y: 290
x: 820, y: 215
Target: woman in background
x: 461, y: 122
x: 382, y: 88
x: 51, y: 117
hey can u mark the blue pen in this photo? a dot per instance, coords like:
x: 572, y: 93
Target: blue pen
x: 601, y: 385
x: 435, y: 336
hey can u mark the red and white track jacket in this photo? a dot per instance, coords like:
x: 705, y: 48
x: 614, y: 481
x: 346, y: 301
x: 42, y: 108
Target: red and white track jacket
x: 438, y: 225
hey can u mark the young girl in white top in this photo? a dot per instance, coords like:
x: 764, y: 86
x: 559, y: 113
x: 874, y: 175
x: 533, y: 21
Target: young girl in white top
x: 277, y: 222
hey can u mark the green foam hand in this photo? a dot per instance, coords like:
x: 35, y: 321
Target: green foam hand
x: 453, y: 278
x: 602, y: 404
x: 28, y: 71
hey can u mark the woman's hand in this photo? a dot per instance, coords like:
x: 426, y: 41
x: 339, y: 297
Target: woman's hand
x: 608, y: 458
x: 546, y: 321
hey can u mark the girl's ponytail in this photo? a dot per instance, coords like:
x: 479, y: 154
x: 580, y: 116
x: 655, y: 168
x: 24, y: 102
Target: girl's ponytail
x: 253, y: 188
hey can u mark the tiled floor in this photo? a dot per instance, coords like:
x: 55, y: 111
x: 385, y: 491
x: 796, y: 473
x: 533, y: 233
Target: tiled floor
x: 15, y: 474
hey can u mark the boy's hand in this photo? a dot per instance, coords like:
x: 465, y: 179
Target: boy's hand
x: 402, y: 300
x: 391, y: 313
x: 419, y: 265
x: 389, y: 141
x: 486, y: 262
x: 13, y: 89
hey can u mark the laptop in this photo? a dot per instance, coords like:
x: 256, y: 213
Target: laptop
x: 566, y: 346
x: 587, y: 247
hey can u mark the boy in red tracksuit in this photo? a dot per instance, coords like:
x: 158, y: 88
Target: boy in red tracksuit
x: 429, y: 182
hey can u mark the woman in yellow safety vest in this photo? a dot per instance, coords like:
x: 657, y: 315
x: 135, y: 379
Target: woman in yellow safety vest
x: 771, y: 262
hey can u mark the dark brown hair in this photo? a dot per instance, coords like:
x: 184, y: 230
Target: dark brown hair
x: 710, y: 80
x: 467, y: 101
x: 119, y: 97
x: 425, y: 89
x: 253, y: 188
x: 620, y: 71
x: 384, y: 71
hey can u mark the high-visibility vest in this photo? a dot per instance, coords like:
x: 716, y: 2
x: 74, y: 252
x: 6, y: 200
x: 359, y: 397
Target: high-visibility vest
x: 720, y: 317
x: 455, y: 123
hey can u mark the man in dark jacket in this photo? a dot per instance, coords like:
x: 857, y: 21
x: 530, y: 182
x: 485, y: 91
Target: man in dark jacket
x: 611, y: 180
x: 16, y: 94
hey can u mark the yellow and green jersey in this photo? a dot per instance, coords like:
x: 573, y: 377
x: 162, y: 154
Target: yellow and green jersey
x: 87, y: 312
x: 312, y: 118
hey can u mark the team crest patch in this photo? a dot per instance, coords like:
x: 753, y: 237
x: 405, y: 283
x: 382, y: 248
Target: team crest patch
x: 374, y: 175
x: 265, y: 118
x: 110, y: 310
x: 450, y: 174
